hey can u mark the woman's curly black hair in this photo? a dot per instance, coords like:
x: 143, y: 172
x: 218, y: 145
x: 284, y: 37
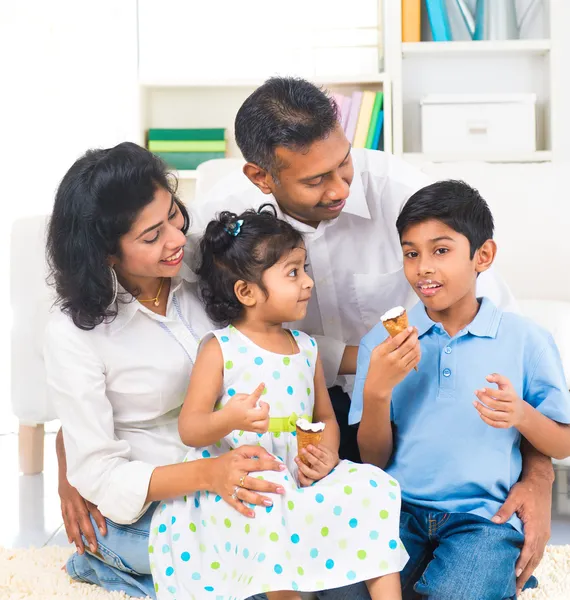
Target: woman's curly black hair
x: 96, y: 204
x: 240, y: 247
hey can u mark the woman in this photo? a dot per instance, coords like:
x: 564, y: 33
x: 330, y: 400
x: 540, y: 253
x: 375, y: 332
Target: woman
x: 119, y: 351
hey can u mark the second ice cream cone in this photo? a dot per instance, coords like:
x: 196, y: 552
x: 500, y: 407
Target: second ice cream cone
x: 395, y: 321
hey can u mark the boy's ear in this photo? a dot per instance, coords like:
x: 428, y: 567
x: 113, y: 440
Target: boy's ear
x: 258, y: 176
x: 245, y: 293
x: 485, y: 256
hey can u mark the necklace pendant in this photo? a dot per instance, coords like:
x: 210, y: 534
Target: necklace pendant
x: 157, y: 302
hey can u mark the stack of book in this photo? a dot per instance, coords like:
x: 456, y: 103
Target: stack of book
x: 362, y: 118
x: 187, y: 148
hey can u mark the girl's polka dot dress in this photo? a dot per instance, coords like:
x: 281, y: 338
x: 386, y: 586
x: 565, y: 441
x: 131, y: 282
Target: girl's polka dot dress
x: 341, y: 530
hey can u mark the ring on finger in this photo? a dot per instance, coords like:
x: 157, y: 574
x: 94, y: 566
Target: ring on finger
x: 235, y: 492
x: 242, y: 481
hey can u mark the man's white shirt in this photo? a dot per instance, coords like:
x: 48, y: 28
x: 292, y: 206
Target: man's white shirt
x: 355, y: 259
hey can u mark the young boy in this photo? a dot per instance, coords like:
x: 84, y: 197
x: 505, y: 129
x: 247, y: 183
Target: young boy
x: 450, y: 433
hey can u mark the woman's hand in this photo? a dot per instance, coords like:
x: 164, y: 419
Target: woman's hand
x: 322, y: 461
x: 247, y: 413
x: 231, y: 471
x: 75, y: 511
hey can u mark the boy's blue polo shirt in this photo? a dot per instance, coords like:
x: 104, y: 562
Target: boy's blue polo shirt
x: 445, y: 456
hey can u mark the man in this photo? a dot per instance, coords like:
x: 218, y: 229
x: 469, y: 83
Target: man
x: 346, y: 202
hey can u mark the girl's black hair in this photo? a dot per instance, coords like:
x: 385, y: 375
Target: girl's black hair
x: 236, y: 247
x: 96, y: 204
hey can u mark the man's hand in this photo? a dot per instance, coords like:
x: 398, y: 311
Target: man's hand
x: 391, y: 361
x: 75, y: 511
x: 322, y: 461
x: 247, y: 413
x: 531, y: 499
x: 500, y: 408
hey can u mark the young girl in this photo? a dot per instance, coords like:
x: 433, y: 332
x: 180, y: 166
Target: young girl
x: 334, y: 523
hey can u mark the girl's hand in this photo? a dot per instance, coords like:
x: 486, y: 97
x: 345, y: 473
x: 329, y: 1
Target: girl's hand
x: 247, y: 413
x: 391, y: 361
x: 505, y: 408
x: 231, y: 471
x: 322, y: 461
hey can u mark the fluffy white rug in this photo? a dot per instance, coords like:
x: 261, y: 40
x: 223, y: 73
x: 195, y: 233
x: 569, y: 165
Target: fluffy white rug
x: 37, y: 574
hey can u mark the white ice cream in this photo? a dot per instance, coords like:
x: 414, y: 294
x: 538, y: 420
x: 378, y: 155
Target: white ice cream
x: 306, y: 426
x: 393, y: 313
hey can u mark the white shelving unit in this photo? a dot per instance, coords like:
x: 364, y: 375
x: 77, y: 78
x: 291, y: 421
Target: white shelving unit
x: 172, y: 97
x: 472, y: 67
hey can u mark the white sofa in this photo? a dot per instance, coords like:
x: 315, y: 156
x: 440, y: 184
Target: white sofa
x: 527, y: 200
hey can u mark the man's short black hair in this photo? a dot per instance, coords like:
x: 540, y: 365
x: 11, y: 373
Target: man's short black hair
x: 284, y: 111
x: 454, y: 203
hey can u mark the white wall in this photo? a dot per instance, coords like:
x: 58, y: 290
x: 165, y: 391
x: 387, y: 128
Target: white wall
x: 68, y: 73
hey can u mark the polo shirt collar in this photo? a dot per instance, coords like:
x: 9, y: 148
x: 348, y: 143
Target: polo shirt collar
x: 485, y: 324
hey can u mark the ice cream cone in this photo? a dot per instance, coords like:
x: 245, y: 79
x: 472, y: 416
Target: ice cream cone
x: 396, y: 324
x: 305, y: 436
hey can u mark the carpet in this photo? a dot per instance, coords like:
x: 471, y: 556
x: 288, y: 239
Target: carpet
x: 36, y: 573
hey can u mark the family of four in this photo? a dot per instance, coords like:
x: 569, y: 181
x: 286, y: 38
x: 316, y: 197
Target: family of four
x: 184, y: 349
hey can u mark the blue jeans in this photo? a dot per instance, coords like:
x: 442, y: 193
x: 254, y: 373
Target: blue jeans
x: 122, y: 563
x: 458, y: 556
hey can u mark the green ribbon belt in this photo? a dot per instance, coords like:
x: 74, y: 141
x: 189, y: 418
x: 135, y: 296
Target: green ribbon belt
x: 286, y: 424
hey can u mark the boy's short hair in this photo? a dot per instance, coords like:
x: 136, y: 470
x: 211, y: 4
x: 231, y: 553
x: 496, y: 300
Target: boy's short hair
x: 454, y: 203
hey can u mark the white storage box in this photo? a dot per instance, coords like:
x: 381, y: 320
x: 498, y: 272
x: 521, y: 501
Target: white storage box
x: 475, y: 123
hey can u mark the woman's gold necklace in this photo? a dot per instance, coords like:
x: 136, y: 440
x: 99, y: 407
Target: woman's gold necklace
x: 156, y: 299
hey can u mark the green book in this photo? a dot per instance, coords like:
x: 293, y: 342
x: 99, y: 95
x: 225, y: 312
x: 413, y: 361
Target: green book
x: 186, y: 146
x: 187, y: 160
x: 374, y: 120
x: 208, y: 135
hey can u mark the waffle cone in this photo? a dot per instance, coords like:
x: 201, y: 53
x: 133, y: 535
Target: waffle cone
x: 397, y: 325
x: 304, y: 438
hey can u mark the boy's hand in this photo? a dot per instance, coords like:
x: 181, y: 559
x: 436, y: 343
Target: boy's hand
x: 247, y: 413
x: 391, y: 361
x: 505, y: 408
x: 322, y: 460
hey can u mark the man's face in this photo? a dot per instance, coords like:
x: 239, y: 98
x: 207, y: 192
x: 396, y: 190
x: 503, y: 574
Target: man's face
x: 313, y: 185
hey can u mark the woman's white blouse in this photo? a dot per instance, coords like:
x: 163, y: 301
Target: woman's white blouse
x: 118, y: 390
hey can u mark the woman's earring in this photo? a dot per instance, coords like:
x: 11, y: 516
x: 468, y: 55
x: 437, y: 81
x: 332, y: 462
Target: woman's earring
x: 115, y: 285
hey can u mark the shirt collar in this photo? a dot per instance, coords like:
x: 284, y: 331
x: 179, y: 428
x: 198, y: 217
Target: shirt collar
x: 128, y: 307
x: 485, y: 324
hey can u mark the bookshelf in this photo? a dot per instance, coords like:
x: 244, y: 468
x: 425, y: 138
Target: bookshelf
x: 174, y: 94
x: 482, y: 67
x: 522, y: 47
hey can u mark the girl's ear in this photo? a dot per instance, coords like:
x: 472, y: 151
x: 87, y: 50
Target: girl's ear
x: 245, y: 293
x: 485, y: 256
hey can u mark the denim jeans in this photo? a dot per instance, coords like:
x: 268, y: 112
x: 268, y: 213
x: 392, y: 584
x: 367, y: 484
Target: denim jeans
x: 122, y: 563
x: 458, y: 556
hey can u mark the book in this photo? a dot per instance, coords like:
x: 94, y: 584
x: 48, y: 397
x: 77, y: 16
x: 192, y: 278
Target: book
x: 438, y: 21
x: 378, y: 140
x: 186, y: 146
x: 364, y: 117
x: 411, y: 20
x: 356, y: 100
x: 187, y: 134
x: 375, y: 112
x: 346, y: 104
x: 187, y: 160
